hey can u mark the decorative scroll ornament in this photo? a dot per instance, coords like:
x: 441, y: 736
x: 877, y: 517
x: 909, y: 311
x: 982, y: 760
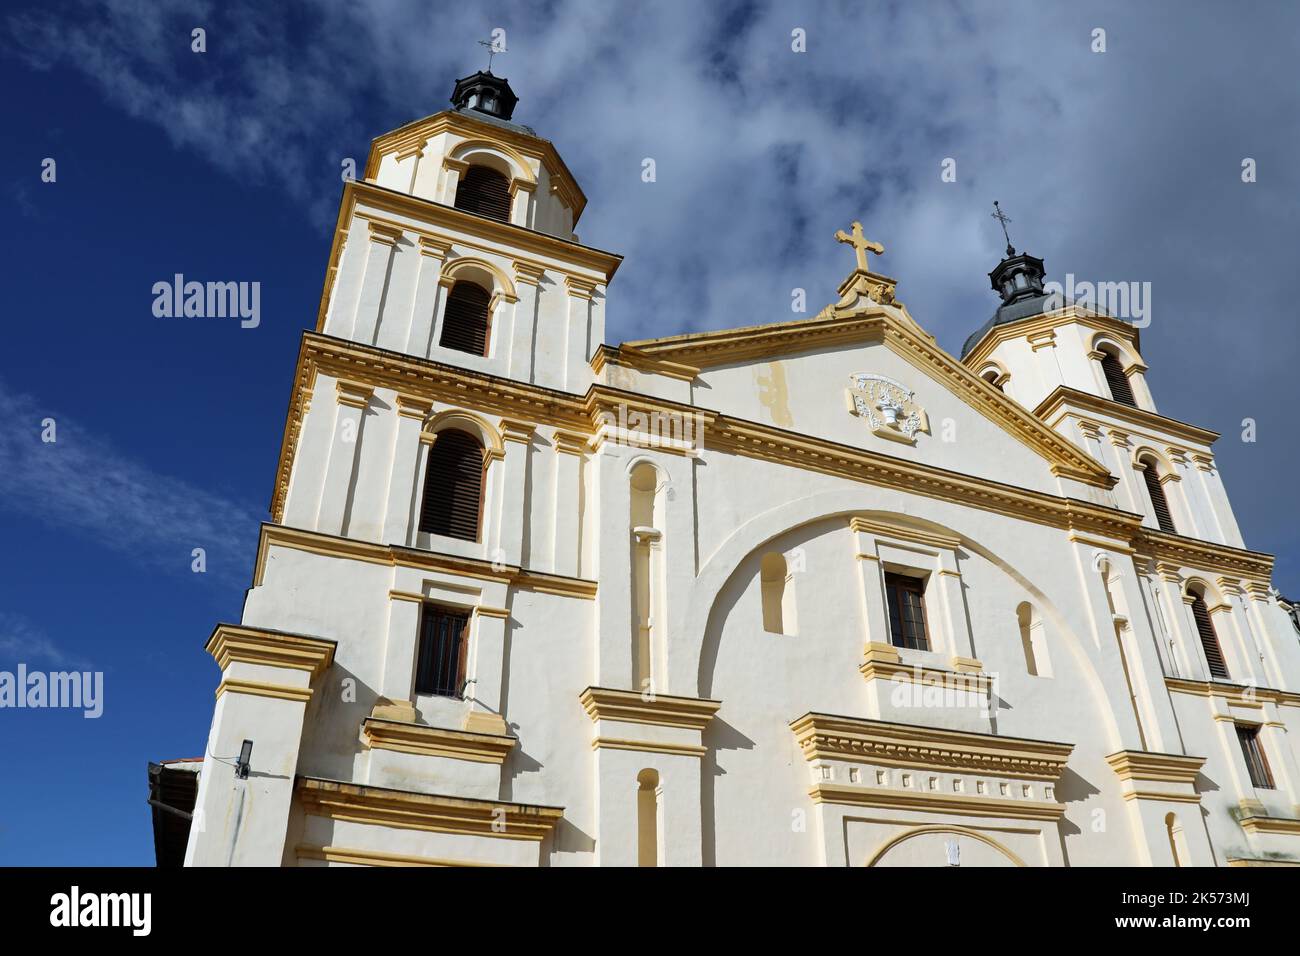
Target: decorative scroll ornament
x: 889, y: 407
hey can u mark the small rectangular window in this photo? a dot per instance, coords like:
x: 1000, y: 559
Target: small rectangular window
x: 1256, y: 763
x: 906, y: 599
x: 440, y: 665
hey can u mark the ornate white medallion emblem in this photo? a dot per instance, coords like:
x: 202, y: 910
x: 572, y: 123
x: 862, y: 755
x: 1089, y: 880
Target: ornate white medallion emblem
x: 888, y: 406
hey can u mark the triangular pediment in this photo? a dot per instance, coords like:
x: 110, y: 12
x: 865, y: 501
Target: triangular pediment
x: 781, y: 356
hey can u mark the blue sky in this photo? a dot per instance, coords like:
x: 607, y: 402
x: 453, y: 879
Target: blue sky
x: 224, y: 165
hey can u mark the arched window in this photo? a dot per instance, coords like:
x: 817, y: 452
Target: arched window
x: 1033, y: 641
x: 778, y: 594
x: 1156, y: 492
x: 465, y: 321
x: 1209, y: 639
x: 991, y: 376
x: 647, y: 818
x: 453, y: 486
x: 485, y: 191
x: 1120, y: 390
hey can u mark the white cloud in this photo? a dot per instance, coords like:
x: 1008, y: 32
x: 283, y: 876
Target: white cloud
x: 82, y: 482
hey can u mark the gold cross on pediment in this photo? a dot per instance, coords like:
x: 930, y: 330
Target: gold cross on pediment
x: 861, y: 245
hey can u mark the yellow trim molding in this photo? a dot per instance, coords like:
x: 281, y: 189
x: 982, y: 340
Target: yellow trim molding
x: 648, y: 746
x: 404, y: 809
x: 931, y: 802
x: 261, y: 689
x: 1154, y: 767
x: 1065, y: 399
x: 602, y: 703
x: 878, y: 324
x: 1042, y: 323
x: 412, y: 136
x: 1162, y: 796
x: 315, y: 542
x: 1282, y: 826
x: 1236, y: 694
x: 830, y: 737
x: 943, y: 828
x: 340, y: 854
x: 411, y: 738
x: 882, y: 662
x: 254, y: 645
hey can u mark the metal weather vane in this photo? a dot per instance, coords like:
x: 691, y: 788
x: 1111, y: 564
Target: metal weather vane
x: 1003, y: 218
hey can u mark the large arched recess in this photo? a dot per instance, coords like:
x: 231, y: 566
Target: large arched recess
x: 694, y: 648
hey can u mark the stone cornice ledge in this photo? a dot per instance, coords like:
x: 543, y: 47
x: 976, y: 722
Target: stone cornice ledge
x: 831, y: 737
x: 404, y: 737
x: 405, y: 809
x: 661, y: 710
x: 255, y: 645
x: 1155, y: 767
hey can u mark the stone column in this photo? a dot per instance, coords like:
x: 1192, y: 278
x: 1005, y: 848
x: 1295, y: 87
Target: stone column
x: 521, y: 202
x: 454, y: 169
x: 302, y: 503
x: 1214, y: 493
x: 569, y: 512
x: 948, y: 586
x: 487, y: 669
x: 613, y: 566
x: 576, y: 345
x: 1134, y: 499
x: 428, y: 285
x: 511, y: 522
x: 1174, y: 610
x: 1160, y: 725
x: 383, y: 245
x: 875, y: 615
x: 445, y: 282
x: 345, y: 286
x: 528, y: 279
x: 397, y: 686
x: 267, y: 680
x: 403, y: 492
x: 1247, y: 645
x: 1190, y: 515
x: 353, y: 397
x: 1137, y: 381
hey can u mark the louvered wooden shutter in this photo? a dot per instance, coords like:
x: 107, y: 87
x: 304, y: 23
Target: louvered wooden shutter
x: 465, y: 320
x: 1158, y: 501
x: 453, y: 486
x: 1120, y: 390
x: 484, y: 191
x: 1209, y: 639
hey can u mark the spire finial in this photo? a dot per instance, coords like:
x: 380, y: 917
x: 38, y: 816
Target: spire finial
x: 1003, y: 218
x: 492, y: 50
x: 860, y: 243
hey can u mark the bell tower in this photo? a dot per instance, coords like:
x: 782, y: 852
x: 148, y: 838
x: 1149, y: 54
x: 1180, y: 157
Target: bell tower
x: 1081, y: 371
x: 458, y: 246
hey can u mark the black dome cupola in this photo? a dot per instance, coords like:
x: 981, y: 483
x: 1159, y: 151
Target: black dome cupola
x: 485, y: 93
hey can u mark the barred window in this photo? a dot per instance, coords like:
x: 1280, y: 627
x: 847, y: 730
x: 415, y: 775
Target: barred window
x: 444, y: 636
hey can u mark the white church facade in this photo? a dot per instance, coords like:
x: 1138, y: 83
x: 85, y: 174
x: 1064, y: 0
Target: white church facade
x: 808, y: 593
